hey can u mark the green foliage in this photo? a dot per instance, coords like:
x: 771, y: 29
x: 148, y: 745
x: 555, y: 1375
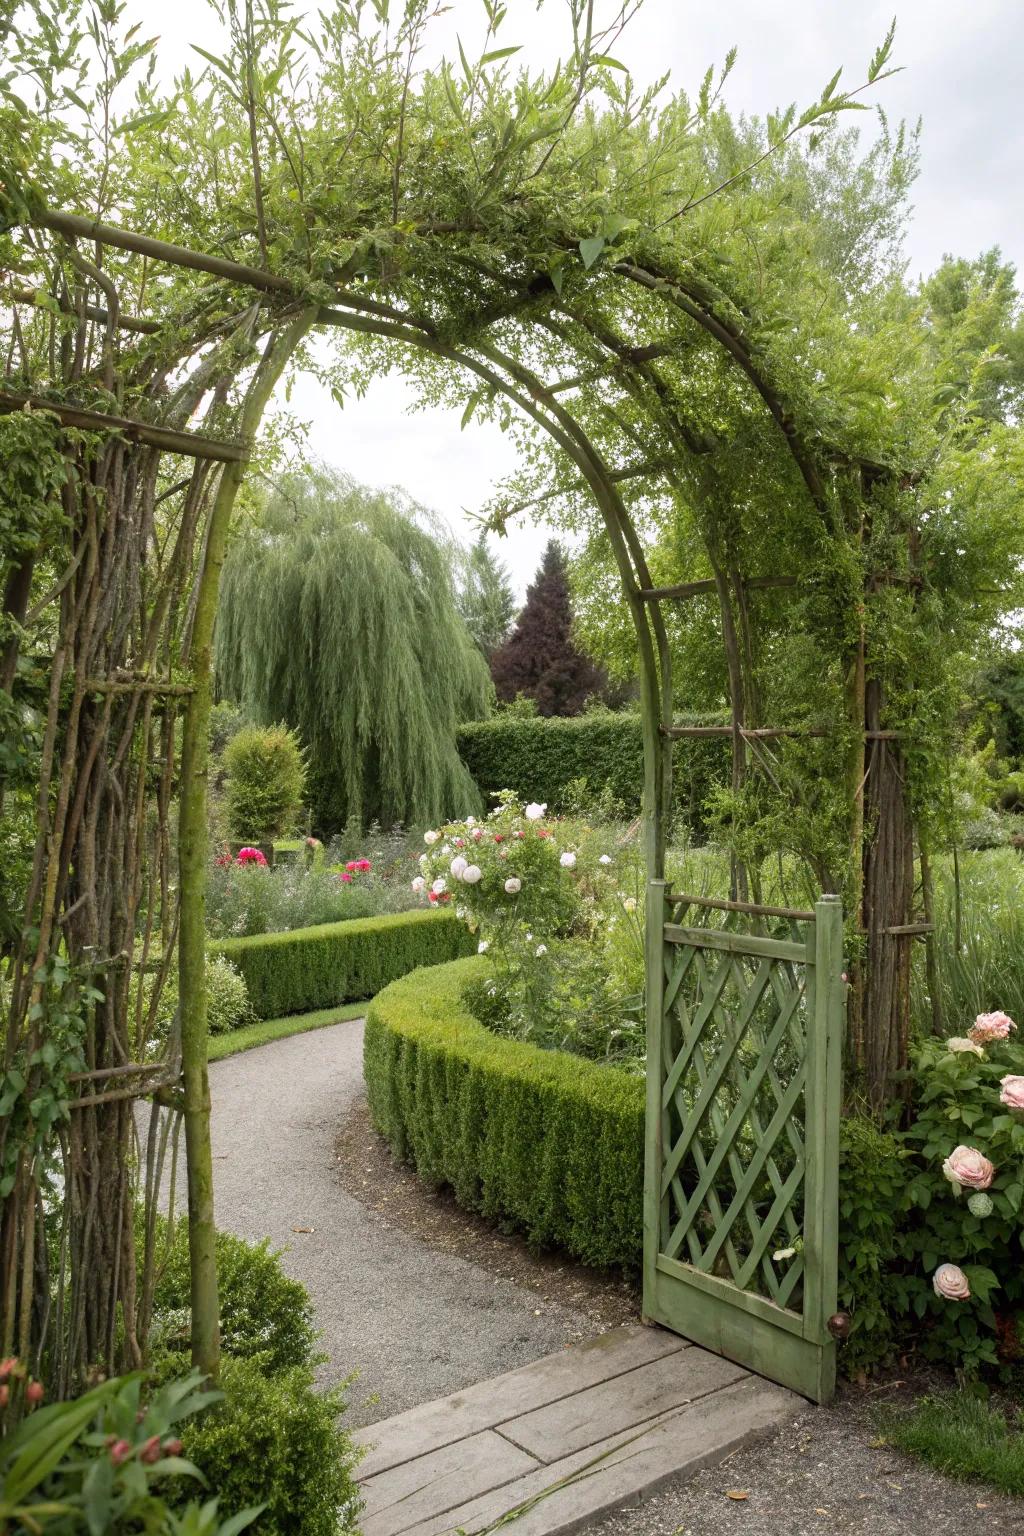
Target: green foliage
x: 276, y: 1441
x: 539, y: 1139
x: 485, y: 597
x: 986, y: 970
x: 264, y: 1314
x: 266, y: 781
x: 545, y: 760
x: 962, y: 1436
x: 338, y: 962
x: 108, y: 1462
x: 872, y: 1198
x: 227, y: 999
x: 338, y: 614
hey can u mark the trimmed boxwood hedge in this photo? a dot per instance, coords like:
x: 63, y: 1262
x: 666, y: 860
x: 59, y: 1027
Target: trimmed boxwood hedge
x: 540, y: 757
x: 309, y: 968
x: 543, y: 1140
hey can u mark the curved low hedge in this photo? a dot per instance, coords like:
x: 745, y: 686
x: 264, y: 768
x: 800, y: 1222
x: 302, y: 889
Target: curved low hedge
x: 542, y: 1139
x: 333, y: 963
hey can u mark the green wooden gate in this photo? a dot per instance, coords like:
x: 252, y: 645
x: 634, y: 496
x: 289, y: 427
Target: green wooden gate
x: 744, y: 1029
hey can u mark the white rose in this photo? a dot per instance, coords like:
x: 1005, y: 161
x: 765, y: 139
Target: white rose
x: 541, y: 949
x: 439, y: 885
x: 470, y: 821
x: 513, y: 886
x: 534, y: 812
x: 430, y: 838
x: 460, y: 911
x: 472, y: 873
x: 458, y: 866
x: 567, y: 860
x: 419, y: 884
x: 423, y: 861
x: 482, y: 947
x: 605, y: 859
x: 960, y: 1043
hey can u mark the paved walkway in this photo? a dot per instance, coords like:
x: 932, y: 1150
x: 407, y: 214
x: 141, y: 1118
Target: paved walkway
x: 564, y: 1440
x: 414, y: 1323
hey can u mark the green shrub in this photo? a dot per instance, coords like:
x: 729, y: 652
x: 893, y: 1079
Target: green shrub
x: 539, y: 1139
x: 275, y: 1440
x: 263, y: 1312
x: 266, y: 779
x: 227, y: 999
x: 340, y: 962
x: 872, y: 1196
x: 545, y: 759
x: 242, y: 900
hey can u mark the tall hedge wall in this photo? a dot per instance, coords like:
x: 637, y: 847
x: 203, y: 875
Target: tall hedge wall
x: 539, y: 757
x: 341, y: 962
x: 544, y: 1140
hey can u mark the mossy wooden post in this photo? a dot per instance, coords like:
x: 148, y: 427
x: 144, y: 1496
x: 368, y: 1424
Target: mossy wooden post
x: 193, y: 858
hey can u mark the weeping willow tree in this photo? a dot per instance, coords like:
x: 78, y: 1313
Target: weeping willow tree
x: 338, y: 614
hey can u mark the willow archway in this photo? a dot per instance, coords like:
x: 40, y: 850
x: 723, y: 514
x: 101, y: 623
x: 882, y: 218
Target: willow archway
x: 646, y: 378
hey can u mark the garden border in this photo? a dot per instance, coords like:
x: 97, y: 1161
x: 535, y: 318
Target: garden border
x: 302, y: 969
x: 541, y: 1140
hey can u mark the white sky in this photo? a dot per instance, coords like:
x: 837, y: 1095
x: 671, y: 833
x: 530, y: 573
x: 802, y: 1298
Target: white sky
x: 961, y: 76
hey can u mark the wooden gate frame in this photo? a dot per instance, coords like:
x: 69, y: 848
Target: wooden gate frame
x: 792, y: 1347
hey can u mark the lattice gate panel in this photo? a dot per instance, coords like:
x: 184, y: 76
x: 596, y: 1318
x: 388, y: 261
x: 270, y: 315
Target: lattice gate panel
x: 744, y: 1086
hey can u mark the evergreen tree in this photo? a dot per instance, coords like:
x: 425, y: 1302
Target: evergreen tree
x: 338, y: 616
x: 539, y: 659
x: 486, y: 600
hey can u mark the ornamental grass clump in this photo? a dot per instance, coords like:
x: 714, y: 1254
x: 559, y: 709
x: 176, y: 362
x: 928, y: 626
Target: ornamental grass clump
x: 545, y: 898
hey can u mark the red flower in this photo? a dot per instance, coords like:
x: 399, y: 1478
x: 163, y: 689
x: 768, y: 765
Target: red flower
x: 351, y: 865
x: 543, y: 832
x: 499, y: 837
x: 346, y: 878
x: 120, y: 1451
x: 432, y: 896
x: 224, y: 861
x: 151, y: 1451
x: 34, y: 1392
x: 363, y: 864
x: 251, y: 856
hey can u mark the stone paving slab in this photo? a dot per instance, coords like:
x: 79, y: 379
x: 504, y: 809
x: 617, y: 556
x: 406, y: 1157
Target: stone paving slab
x: 563, y: 1440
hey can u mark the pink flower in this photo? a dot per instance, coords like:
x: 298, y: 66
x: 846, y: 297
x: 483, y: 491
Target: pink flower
x: 313, y: 842
x: 34, y: 1392
x: 499, y: 837
x: 967, y: 1168
x: 432, y: 895
x: 950, y: 1283
x: 346, y: 877
x: 251, y: 856
x: 224, y: 861
x: 120, y: 1450
x: 991, y: 1026
x: 1011, y: 1092
x: 478, y: 833
x: 351, y: 865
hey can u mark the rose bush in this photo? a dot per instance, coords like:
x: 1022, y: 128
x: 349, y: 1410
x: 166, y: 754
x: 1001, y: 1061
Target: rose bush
x: 546, y: 899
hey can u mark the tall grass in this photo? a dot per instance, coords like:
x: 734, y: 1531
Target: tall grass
x: 986, y: 970
x: 961, y: 1437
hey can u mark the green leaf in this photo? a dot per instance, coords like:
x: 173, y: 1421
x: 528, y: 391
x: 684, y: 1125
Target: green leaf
x: 608, y: 62
x: 500, y: 53
x: 591, y: 250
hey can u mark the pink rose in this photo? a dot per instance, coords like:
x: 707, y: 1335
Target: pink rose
x: 950, y: 1283
x: 345, y: 877
x: 363, y: 864
x: 1011, y: 1092
x: 991, y: 1026
x: 967, y: 1168
x: 251, y: 856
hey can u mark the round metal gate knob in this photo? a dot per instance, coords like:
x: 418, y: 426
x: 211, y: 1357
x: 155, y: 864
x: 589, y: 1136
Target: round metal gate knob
x: 839, y: 1325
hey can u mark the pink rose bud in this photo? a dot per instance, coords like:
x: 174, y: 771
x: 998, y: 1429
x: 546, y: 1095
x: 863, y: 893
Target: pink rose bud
x: 120, y: 1452
x: 151, y: 1450
x: 950, y: 1283
x: 7, y: 1366
x: 5, y: 1395
x: 1011, y: 1092
x: 34, y: 1392
x: 967, y: 1168
x: 173, y: 1447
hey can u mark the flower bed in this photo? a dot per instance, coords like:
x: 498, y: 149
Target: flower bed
x: 538, y: 1138
x: 340, y: 962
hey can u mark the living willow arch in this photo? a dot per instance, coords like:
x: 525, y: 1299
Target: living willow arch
x: 621, y: 336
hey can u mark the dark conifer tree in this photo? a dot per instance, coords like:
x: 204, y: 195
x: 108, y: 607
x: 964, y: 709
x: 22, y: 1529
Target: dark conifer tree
x: 539, y: 660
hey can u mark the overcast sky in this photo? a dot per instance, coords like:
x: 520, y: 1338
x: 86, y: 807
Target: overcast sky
x: 962, y: 74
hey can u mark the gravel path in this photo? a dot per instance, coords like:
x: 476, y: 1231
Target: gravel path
x: 414, y: 1323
